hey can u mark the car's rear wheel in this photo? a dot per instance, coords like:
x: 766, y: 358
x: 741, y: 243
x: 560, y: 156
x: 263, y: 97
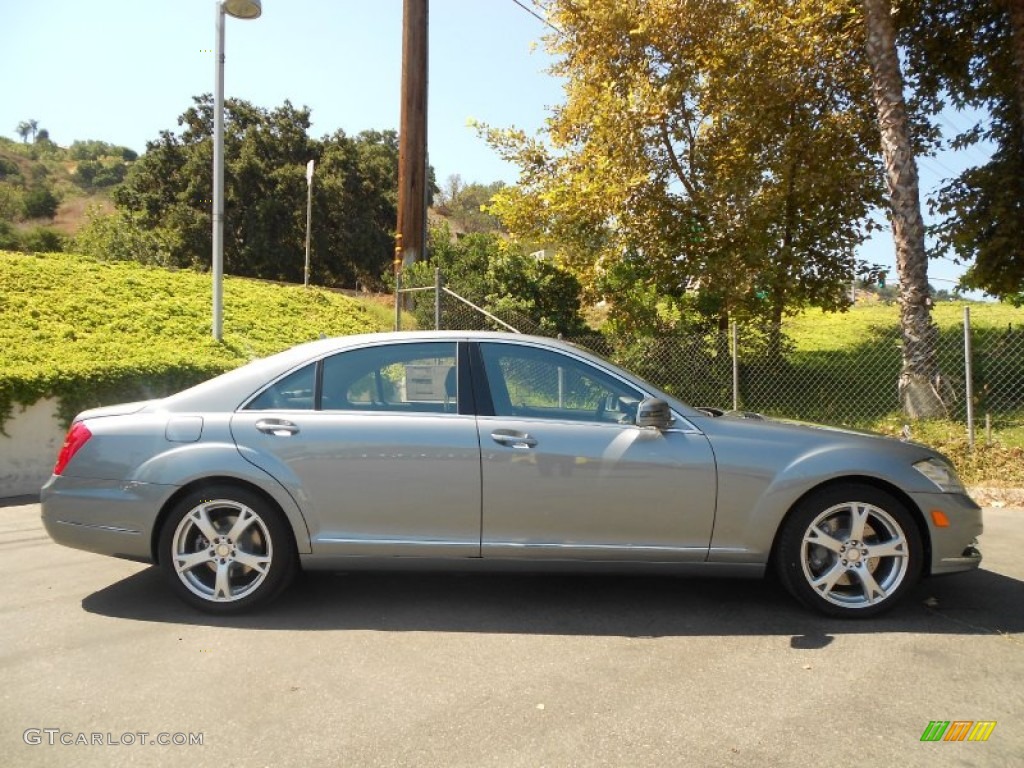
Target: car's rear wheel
x: 226, y: 549
x: 850, y: 550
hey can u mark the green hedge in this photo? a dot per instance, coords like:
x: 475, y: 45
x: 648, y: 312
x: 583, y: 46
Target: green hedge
x: 92, y: 333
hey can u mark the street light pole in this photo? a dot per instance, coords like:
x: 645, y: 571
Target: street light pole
x: 240, y: 9
x: 218, y: 179
x: 309, y: 216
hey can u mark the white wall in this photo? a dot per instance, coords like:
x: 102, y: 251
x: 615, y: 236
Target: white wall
x: 29, y: 449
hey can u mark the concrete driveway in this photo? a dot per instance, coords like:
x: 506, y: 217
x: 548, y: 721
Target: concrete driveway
x: 466, y: 670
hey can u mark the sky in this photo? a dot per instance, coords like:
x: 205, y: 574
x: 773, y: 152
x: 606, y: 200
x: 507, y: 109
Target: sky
x: 121, y: 71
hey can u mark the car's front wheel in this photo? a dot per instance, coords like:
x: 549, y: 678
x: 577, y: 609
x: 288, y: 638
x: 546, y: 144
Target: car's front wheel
x: 850, y: 550
x: 226, y: 549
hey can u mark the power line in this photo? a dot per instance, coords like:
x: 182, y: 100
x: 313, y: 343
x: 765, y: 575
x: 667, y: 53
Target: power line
x: 537, y: 16
x: 943, y: 118
x: 929, y: 164
x: 973, y: 153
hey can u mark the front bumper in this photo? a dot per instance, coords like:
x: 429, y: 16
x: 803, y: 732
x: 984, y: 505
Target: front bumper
x: 103, y: 516
x: 953, y: 547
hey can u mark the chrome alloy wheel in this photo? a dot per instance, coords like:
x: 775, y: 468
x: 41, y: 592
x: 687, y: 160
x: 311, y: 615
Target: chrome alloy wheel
x: 854, y: 555
x: 222, y: 550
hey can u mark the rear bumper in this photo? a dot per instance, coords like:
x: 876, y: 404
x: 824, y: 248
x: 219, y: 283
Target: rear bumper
x: 954, y: 547
x: 102, y: 516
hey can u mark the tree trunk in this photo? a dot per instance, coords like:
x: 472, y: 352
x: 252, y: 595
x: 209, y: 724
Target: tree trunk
x: 1015, y: 10
x: 919, y: 379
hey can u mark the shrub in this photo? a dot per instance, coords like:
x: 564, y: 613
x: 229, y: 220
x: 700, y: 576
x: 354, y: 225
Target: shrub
x: 8, y: 168
x: 92, y: 333
x: 9, y: 240
x: 116, y: 237
x: 11, y: 202
x: 40, y: 203
x: 42, y: 240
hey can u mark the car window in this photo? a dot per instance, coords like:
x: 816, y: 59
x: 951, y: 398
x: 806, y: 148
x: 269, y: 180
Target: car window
x: 418, y: 377
x: 539, y: 383
x: 294, y: 392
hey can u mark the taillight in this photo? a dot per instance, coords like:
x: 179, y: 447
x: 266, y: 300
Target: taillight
x: 77, y: 436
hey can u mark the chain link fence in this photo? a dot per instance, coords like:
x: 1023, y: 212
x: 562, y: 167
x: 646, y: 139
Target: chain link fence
x: 438, y: 306
x: 757, y: 369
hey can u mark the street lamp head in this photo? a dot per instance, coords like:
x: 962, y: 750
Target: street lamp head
x: 243, y: 9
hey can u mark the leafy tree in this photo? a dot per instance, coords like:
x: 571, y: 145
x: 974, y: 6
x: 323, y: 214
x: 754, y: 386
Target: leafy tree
x: 918, y: 384
x: 94, y: 150
x: 972, y: 55
x: 356, y: 203
x: 464, y: 204
x: 498, y: 275
x: 110, y: 174
x: 710, y: 158
x: 40, y: 203
x: 27, y: 128
x: 266, y: 151
x: 538, y: 289
x: 86, y: 171
x: 119, y: 237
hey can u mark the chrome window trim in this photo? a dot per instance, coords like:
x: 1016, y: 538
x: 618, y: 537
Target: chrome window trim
x: 690, y: 428
x: 318, y: 377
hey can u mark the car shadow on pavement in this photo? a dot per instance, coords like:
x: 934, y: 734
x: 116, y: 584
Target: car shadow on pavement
x: 19, y: 501
x: 976, y: 603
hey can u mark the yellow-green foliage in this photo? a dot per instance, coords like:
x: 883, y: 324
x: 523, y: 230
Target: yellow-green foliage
x: 999, y: 463
x: 815, y: 330
x: 92, y: 332
x: 821, y: 339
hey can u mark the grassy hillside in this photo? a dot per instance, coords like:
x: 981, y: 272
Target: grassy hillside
x: 77, y: 177
x: 815, y: 330
x: 91, y: 332
x: 853, y: 352
x: 844, y: 367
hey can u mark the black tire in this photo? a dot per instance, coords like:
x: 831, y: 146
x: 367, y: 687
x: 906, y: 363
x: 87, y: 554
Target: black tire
x: 226, y: 549
x: 849, y: 550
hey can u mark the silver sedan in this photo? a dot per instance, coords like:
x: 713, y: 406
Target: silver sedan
x: 454, y: 450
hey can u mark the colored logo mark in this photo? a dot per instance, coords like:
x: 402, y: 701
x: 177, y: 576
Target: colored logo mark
x: 958, y: 730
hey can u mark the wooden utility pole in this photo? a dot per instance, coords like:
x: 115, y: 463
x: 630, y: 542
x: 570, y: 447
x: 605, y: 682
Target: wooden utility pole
x: 412, y: 134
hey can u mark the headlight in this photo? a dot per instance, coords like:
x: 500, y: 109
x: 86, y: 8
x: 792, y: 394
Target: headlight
x: 940, y: 473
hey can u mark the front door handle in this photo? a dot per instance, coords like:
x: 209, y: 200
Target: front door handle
x: 277, y: 427
x: 513, y: 439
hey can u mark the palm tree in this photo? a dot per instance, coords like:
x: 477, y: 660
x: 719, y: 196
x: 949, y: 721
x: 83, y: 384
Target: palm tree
x: 919, y: 379
x: 24, y: 129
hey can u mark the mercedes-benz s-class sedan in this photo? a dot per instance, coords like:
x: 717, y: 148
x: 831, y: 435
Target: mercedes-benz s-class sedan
x: 459, y: 450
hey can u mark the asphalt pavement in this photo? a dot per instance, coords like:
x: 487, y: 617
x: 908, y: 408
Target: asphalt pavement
x: 99, y: 663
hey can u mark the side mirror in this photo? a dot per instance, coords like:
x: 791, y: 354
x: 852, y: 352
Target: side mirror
x: 654, y: 412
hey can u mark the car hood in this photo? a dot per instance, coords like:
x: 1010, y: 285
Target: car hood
x: 774, y: 448
x: 810, y: 430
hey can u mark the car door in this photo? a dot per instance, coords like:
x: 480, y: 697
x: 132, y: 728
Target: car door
x: 379, y: 447
x: 568, y: 475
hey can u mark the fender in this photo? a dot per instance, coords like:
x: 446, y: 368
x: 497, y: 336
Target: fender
x: 192, y: 462
x: 752, y: 504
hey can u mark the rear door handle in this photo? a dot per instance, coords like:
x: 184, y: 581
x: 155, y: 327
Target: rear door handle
x: 277, y: 427
x: 513, y: 439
